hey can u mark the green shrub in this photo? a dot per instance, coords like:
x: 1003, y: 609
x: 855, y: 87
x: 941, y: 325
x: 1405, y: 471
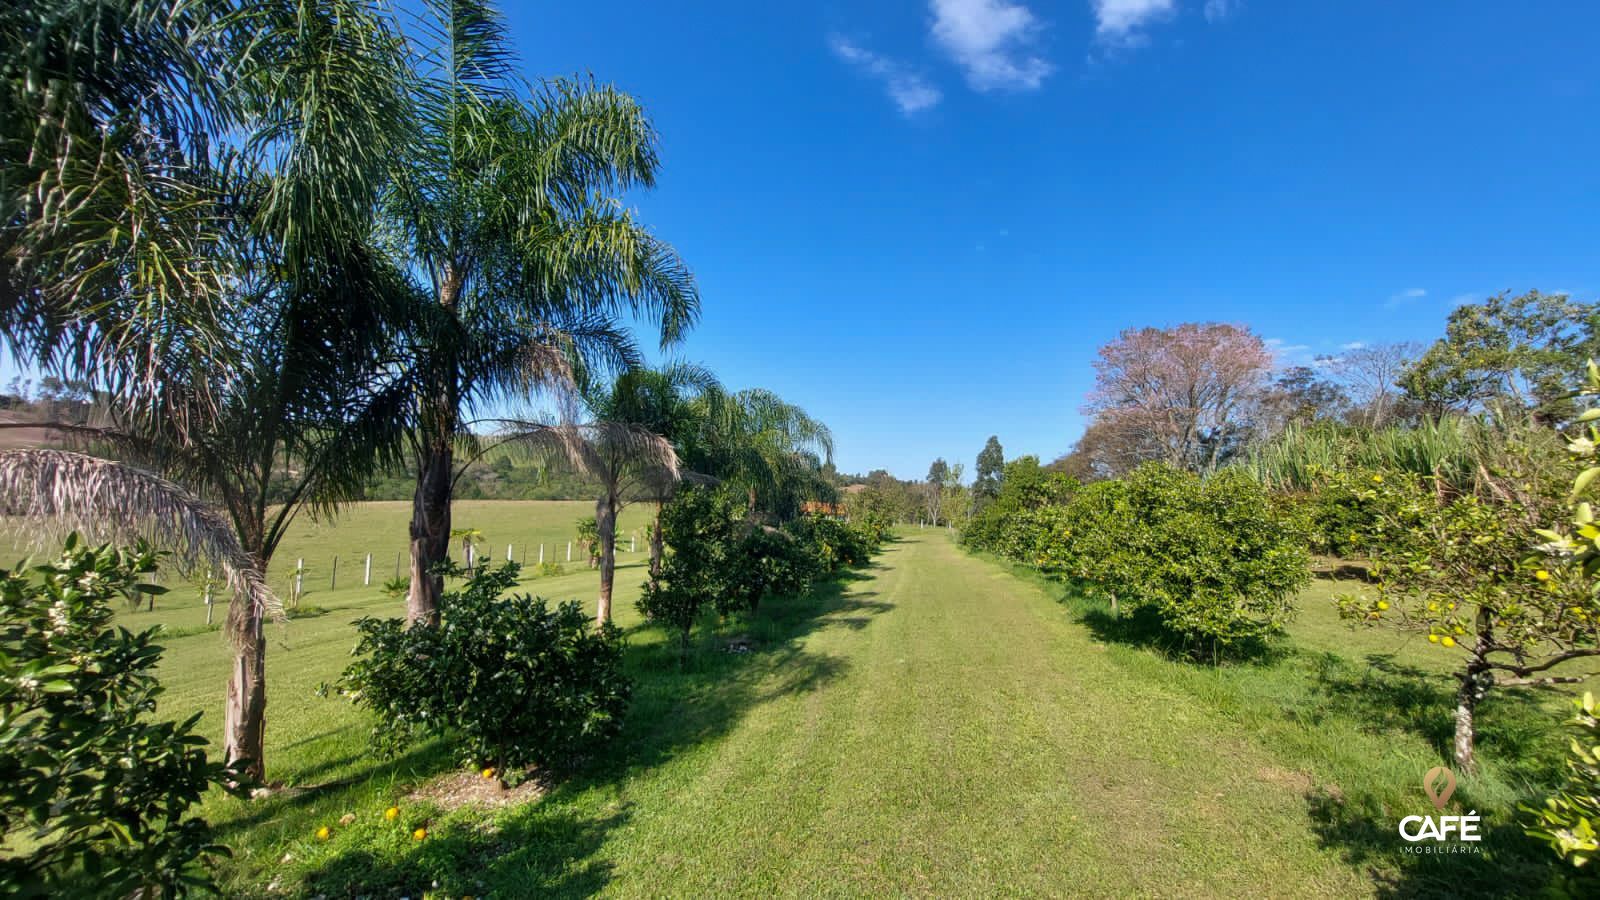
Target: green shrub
x: 1352, y: 515
x: 93, y: 796
x: 397, y: 587
x: 589, y: 540
x: 549, y: 570
x: 767, y: 562
x: 833, y: 543
x: 702, y: 528
x: 512, y: 681
x: 1213, y: 558
x: 1023, y: 521
x: 1210, y: 556
x: 721, y: 559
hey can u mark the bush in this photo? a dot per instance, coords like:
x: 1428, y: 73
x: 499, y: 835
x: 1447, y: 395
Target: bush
x: 97, y: 794
x: 1210, y: 556
x: 719, y: 558
x: 589, y: 540
x: 397, y: 587
x: 513, y: 681
x: 1021, y: 522
x: 833, y: 543
x: 701, y: 526
x: 1352, y: 515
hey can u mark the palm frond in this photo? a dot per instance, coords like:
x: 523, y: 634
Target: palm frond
x: 112, y: 501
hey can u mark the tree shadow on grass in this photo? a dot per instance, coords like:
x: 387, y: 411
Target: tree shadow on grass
x: 549, y: 847
x: 533, y: 851
x: 1387, y: 697
x: 1507, y: 864
x: 425, y: 760
x: 1142, y: 626
x: 1513, y: 728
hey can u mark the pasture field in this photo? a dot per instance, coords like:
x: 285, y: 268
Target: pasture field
x: 936, y: 724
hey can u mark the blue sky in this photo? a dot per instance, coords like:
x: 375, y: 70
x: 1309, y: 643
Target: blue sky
x: 920, y: 218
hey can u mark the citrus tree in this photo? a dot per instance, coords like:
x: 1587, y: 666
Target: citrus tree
x: 1481, y: 577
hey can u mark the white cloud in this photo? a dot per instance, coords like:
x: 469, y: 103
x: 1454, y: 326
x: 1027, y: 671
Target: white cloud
x: 989, y: 39
x: 1217, y: 10
x: 910, y: 91
x: 1406, y: 296
x: 1121, y: 21
x: 1285, y: 354
x: 1353, y: 345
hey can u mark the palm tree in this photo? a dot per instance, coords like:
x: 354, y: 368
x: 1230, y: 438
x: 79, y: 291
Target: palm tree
x: 107, y: 198
x: 626, y: 449
x: 470, y: 537
x: 520, y: 265
x: 257, y: 382
x: 771, y: 448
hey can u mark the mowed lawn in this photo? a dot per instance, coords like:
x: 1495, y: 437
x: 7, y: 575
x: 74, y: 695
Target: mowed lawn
x: 937, y: 724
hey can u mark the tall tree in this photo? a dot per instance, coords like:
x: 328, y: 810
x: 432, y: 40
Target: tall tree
x: 522, y: 262
x: 990, y: 471
x: 1299, y: 396
x: 112, y: 117
x: 1191, y: 390
x: 1520, y: 351
x: 626, y: 448
x: 255, y: 346
x: 1372, y: 374
x: 772, y: 449
x: 933, y: 489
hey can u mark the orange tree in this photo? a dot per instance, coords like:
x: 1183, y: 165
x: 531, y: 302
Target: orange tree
x: 1478, y: 575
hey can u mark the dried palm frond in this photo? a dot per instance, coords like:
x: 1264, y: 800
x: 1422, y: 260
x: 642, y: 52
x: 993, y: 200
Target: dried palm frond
x: 112, y: 501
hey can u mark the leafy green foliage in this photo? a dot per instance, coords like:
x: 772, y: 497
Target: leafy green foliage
x: 397, y: 587
x: 512, y: 681
x: 1509, y: 352
x: 700, y: 526
x: 93, y: 796
x: 1212, y: 557
x: 1015, y: 523
x: 721, y: 559
x: 1570, y: 820
x: 1478, y: 575
x: 588, y: 533
x: 1351, y: 515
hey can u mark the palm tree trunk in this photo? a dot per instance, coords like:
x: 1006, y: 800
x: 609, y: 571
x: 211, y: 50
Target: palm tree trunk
x: 430, y: 533
x: 605, y: 520
x: 656, y: 548
x: 245, y: 716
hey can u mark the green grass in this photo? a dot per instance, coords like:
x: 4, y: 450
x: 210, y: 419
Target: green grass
x: 937, y: 724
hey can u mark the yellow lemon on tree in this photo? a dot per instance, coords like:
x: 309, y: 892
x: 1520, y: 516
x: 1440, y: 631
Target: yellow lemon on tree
x: 1383, y: 604
x: 1448, y: 641
x: 1433, y: 639
x: 392, y: 813
x: 419, y: 834
x: 323, y: 833
x: 1542, y: 575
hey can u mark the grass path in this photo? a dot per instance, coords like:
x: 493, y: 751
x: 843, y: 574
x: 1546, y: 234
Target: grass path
x: 935, y: 725
x: 945, y: 730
